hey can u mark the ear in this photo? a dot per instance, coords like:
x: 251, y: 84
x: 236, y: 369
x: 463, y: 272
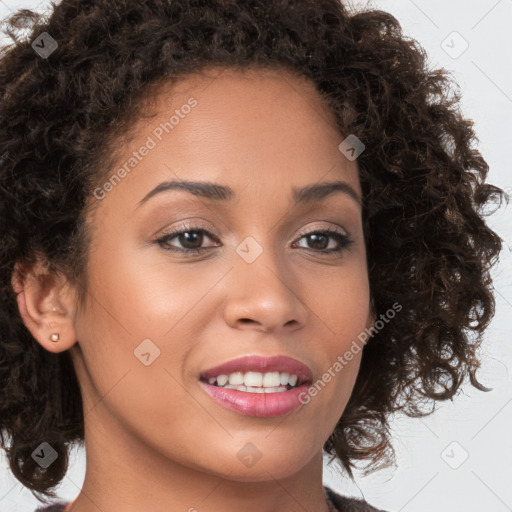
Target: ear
x: 46, y: 304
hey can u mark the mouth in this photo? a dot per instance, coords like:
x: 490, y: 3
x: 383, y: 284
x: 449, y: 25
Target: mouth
x: 256, y: 382
x: 258, y: 374
x: 258, y: 386
x: 264, y: 403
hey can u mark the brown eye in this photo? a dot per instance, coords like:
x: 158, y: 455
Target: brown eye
x: 191, y: 239
x: 319, y: 241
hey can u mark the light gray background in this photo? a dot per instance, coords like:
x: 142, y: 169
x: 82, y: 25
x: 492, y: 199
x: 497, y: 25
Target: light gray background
x: 460, y: 458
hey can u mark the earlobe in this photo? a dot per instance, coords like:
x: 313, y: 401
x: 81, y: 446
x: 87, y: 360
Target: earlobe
x: 44, y: 306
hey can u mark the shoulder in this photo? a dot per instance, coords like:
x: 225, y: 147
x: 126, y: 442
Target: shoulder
x: 56, y: 507
x: 344, y: 504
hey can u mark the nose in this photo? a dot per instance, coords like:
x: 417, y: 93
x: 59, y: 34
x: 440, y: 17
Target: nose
x: 264, y: 295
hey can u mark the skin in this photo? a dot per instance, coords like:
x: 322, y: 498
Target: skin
x: 155, y: 441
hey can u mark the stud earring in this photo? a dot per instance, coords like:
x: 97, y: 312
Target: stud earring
x: 55, y: 336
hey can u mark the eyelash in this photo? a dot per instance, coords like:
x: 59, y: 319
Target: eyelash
x: 344, y: 240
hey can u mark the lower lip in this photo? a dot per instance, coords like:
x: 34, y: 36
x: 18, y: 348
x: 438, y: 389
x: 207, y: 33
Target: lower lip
x: 265, y: 405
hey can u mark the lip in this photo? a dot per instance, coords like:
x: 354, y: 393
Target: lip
x: 255, y: 404
x: 261, y: 364
x: 259, y: 404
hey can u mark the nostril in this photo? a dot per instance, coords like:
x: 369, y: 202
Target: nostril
x: 247, y: 321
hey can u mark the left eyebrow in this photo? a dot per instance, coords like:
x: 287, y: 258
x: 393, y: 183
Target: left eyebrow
x: 316, y: 192
x: 217, y: 192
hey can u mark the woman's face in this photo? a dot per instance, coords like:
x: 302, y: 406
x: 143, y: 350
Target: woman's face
x: 158, y: 316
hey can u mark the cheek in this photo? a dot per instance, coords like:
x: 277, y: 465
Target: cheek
x: 131, y: 341
x: 138, y: 295
x: 340, y: 300
x: 139, y: 312
x: 341, y: 303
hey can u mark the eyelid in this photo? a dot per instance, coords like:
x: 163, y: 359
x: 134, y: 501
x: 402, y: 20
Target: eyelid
x: 192, y: 225
x: 313, y: 229
x: 340, y: 235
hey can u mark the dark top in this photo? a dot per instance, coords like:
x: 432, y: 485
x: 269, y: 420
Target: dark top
x: 342, y: 503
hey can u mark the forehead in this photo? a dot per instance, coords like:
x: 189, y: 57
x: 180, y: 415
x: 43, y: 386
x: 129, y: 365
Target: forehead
x: 256, y: 129
x: 252, y: 81
x: 240, y: 99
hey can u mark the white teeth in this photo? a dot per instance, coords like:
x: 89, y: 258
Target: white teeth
x: 271, y: 379
x: 250, y: 389
x: 255, y: 380
x: 236, y: 378
x: 222, y: 379
x: 275, y: 389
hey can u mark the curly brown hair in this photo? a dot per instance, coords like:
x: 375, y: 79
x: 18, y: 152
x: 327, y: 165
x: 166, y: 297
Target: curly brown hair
x: 425, y: 197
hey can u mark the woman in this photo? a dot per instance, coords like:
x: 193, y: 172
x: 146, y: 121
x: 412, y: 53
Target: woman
x: 274, y: 198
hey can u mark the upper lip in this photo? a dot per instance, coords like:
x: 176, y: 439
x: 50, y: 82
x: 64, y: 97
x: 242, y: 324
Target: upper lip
x: 261, y: 364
